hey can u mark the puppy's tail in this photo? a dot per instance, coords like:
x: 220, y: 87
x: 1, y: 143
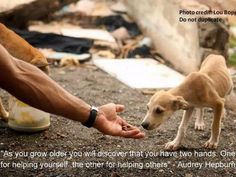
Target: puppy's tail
x: 230, y: 102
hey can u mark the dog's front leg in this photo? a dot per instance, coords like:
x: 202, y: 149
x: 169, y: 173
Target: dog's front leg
x: 174, y: 145
x: 199, y: 123
x: 212, y: 143
x: 3, y: 113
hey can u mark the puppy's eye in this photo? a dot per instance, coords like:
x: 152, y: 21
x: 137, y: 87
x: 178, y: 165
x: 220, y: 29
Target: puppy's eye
x: 159, y: 110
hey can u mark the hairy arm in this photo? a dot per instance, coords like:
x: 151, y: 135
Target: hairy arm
x: 32, y: 86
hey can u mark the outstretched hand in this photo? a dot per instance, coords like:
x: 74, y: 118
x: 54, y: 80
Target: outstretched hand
x: 109, y: 123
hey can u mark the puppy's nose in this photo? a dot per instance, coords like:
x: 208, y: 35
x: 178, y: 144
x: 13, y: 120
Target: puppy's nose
x: 145, y: 125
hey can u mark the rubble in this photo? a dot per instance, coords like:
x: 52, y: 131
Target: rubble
x: 124, y: 39
x: 21, y: 14
x: 167, y: 33
x: 121, y: 34
x: 7, y: 5
x: 59, y: 58
x: 214, y: 38
x: 57, y: 42
x: 94, y: 34
x: 69, y: 61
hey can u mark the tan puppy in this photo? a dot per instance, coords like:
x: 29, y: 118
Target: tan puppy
x: 22, y: 50
x: 206, y: 88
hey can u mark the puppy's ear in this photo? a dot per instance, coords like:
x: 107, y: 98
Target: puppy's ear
x: 180, y: 103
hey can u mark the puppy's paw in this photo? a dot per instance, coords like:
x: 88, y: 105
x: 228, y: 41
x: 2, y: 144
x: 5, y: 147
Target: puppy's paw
x: 211, y: 144
x: 199, y: 126
x: 172, y: 145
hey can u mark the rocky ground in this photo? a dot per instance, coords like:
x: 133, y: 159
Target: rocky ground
x: 65, y: 136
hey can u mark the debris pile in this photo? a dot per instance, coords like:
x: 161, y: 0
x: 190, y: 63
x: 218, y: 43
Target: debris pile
x: 87, y: 29
x: 91, y: 28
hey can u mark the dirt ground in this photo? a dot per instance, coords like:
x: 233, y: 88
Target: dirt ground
x: 97, y: 88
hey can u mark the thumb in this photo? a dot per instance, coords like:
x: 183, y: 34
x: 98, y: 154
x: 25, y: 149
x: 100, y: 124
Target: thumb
x: 120, y: 108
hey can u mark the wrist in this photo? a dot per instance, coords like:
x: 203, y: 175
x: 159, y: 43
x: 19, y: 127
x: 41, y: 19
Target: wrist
x: 100, y: 120
x: 93, y: 115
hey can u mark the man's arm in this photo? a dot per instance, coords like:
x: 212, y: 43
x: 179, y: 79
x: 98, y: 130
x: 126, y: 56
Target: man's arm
x: 32, y: 86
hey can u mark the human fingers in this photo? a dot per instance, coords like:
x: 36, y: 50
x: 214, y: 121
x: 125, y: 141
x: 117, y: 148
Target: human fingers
x: 130, y: 131
x: 130, y: 127
x: 129, y: 134
x: 139, y: 135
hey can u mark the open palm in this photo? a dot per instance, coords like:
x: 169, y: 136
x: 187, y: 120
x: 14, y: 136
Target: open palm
x: 108, y: 122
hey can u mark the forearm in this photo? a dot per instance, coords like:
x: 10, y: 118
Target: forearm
x: 35, y: 88
x: 32, y: 86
